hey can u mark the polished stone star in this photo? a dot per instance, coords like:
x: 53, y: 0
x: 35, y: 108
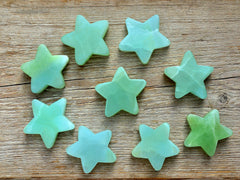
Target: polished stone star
x: 189, y: 77
x: 45, y: 70
x: 92, y: 148
x: 155, y: 145
x: 48, y: 121
x: 143, y: 38
x: 87, y: 39
x: 121, y: 93
x: 206, y: 132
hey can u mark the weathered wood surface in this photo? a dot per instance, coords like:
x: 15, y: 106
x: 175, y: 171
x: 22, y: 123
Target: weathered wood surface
x: 210, y: 29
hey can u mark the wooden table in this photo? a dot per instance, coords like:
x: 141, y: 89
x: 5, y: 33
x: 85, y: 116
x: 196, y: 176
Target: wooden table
x: 210, y: 29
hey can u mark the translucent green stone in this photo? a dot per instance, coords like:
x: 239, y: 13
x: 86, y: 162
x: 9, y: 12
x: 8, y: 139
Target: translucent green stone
x: 48, y: 121
x: 87, y: 39
x: 189, y: 77
x: 45, y: 70
x: 143, y: 38
x: 155, y: 145
x: 92, y: 148
x: 121, y: 93
x: 206, y: 131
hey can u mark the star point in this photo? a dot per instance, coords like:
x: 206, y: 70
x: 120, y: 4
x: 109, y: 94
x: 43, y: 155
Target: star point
x: 92, y: 148
x: 121, y: 93
x: 189, y: 77
x: 87, y: 39
x: 206, y: 132
x: 48, y: 121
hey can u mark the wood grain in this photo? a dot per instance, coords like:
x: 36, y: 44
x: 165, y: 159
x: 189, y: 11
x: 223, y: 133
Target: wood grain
x: 210, y: 29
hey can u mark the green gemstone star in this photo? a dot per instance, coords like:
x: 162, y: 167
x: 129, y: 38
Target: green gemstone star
x: 155, y: 145
x: 121, y: 93
x: 87, y: 39
x: 189, y: 77
x: 92, y: 148
x: 206, y: 132
x: 48, y: 121
x: 45, y: 70
x: 143, y: 38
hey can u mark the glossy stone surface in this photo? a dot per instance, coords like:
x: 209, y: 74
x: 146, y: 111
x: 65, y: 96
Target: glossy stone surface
x: 48, y: 121
x: 189, y: 77
x: 143, y: 38
x: 87, y: 39
x: 155, y: 145
x: 92, y: 148
x: 45, y: 70
x: 121, y: 93
x: 206, y: 132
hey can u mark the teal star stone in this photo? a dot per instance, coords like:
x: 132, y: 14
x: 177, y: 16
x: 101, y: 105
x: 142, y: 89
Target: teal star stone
x: 48, y: 121
x: 87, y: 39
x: 155, y: 145
x: 92, y: 148
x: 143, y: 38
x: 206, y: 132
x: 189, y: 77
x: 45, y: 70
x: 121, y: 93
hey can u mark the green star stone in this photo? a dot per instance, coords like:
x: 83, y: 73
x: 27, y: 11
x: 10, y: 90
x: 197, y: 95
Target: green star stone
x: 143, y: 38
x: 48, y: 121
x: 189, y: 77
x: 87, y: 39
x: 206, y: 132
x: 45, y: 70
x: 121, y: 93
x: 155, y: 145
x: 92, y: 148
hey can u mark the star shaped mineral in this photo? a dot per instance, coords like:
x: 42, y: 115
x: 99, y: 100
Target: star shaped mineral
x: 87, y: 39
x: 189, y: 77
x: 143, y: 38
x: 92, y: 148
x: 155, y: 145
x: 45, y: 70
x: 48, y: 121
x: 121, y: 93
x: 206, y: 132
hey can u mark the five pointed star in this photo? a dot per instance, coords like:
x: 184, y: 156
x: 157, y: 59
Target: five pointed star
x: 155, y: 145
x: 48, y: 121
x: 143, y: 38
x: 92, y: 148
x: 87, y: 39
x: 206, y: 132
x: 121, y: 93
x: 189, y: 77
x: 45, y: 70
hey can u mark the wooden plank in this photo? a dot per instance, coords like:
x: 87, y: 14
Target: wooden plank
x: 210, y: 29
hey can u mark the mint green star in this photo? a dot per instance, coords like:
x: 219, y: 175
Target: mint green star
x: 87, y: 39
x: 48, y: 121
x: 189, y: 77
x: 155, y: 145
x: 121, y: 93
x: 92, y: 148
x: 206, y: 132
x: 45, y: 70
x: 143, y: 38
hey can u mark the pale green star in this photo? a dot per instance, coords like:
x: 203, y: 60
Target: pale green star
x: 206, y: 132
x: 121, y: 93
x: 87, y: 39
x: 143, y: 38
x: 92, y: 148
x: 45, y: 70
x: 155, y: 145
x: 189, y: 77
x: 48, y: 121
